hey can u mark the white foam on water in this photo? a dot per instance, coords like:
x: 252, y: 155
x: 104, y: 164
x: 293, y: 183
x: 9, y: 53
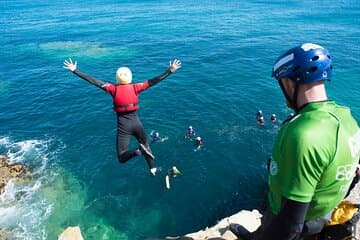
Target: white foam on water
x: 37, y: 207
x: 23, y: 212
x: 14, y: 191
x: 18, y: 152
x: 23, y: 209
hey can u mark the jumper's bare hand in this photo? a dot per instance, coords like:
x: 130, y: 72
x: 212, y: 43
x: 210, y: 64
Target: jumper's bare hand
x: 69, y: 65
x: 174, y: 65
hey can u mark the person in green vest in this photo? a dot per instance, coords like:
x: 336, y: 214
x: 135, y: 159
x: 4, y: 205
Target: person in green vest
x: 315, y: 152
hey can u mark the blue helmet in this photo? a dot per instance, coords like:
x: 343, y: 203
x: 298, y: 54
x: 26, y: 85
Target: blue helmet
x: 304, y: 64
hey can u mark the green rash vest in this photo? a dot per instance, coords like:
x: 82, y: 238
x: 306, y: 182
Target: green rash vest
x: 314, y: 158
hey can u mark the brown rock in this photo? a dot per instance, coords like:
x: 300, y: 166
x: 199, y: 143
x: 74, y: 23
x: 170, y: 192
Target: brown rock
x: 17, y: 169
x: 2, y: 185
x: 71, y: 233
x: 9, y: 171
x: 4, y: 234
x: 3, y: 161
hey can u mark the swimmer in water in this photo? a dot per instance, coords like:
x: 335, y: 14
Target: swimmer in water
x: 190, y: 133
x: 155, y: 137
x: 261, y: 121
x: 198, y: 143
x: 273, y: 118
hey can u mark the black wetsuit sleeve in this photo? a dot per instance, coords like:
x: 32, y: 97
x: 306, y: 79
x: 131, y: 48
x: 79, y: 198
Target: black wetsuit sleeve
x: 159, y: 78
x: 92, y: 80
x: 288, y: 224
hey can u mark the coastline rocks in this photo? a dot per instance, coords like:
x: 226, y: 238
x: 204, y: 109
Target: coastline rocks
x: 249, y: 219
x: 221, y: 231
x: 71, y: 233
x: 9, y: 171
x: 4, y: 235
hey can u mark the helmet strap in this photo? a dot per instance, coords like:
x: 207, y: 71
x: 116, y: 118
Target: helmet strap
x: 295, y: 96
x: 292, y: 100
x: 288, y: 98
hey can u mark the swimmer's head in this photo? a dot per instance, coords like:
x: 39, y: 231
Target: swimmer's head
x: 123, y: 75
x: 198, y: 139
x: 190, y: 128
x: 259, y: 112
x: 157, y: 134
x: 273, y: 115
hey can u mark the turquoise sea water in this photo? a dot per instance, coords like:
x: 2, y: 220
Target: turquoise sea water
x: 63, y: 129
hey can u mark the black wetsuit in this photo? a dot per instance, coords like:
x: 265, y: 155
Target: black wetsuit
x: 128, y: 122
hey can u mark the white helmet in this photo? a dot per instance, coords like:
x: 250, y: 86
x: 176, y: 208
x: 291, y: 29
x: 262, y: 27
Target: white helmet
x: 123, y: 75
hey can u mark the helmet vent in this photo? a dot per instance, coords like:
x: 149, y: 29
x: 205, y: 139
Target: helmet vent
x: 313, y: 69
x: 296, y: 68
x: 314, y: 58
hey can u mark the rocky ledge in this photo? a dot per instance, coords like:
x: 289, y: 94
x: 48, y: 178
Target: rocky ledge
x: 4, y: 235
x: 9, y: 171
x: 249, y: 219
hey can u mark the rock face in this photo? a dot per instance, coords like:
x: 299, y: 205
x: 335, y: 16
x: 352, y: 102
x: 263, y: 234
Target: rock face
x: 9, y: 171
x: 249, y: 219
x: 4, y: 235
x: 221, y: 231
x: 71, y: 233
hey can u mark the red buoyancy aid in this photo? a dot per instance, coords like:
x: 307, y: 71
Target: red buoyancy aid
x: 125, y: 96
